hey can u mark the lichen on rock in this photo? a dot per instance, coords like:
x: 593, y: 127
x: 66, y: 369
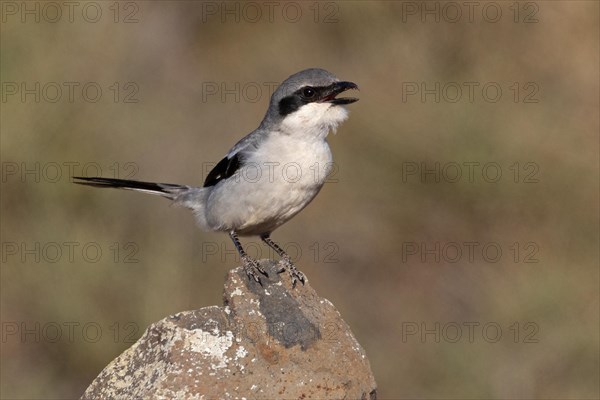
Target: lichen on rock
x: 265, y: 342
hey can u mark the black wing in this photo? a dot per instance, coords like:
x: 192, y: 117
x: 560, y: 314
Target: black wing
x: 223, y: 170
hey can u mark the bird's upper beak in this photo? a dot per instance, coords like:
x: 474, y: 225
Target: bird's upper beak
x: 336, y: 88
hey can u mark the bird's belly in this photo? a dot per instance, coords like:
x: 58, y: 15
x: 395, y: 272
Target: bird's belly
x: 262, y: 217
x: 263, y: 195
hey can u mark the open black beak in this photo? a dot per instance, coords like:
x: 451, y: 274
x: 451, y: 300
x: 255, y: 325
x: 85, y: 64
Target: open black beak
x: 334, y: 89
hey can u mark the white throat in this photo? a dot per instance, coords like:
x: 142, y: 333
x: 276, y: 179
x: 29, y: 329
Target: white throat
x: 314, y: 120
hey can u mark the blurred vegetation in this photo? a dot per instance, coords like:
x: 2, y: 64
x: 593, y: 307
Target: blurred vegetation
x: 355, y: 236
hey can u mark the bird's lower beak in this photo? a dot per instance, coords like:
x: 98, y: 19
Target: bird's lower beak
x: 337, y: 88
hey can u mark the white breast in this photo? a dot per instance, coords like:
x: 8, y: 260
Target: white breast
x: 278, y: 180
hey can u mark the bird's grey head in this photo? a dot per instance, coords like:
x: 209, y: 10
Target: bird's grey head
x: 306, y: 103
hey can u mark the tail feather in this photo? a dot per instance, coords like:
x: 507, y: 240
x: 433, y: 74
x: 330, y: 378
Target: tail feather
x: 190, y: 197
x: 168, y: 190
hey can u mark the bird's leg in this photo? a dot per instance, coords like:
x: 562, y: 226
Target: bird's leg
x: 250, y: 265
x: 288, y: 265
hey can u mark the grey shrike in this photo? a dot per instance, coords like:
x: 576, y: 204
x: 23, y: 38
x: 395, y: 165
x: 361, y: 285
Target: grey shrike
x: 269, y: 175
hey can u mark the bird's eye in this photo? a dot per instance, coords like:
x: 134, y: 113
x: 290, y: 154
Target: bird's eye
x: 308, y: 92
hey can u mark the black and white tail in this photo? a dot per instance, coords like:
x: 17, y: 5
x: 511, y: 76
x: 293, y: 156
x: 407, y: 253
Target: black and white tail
x: 168, y: 190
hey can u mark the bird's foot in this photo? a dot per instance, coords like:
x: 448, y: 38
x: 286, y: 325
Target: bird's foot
x: 251, y: 266
x: 295, y: 274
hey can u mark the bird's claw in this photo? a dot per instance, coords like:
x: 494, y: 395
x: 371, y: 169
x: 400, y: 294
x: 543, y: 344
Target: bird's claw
x: 295, y: 274
x: 251, y: 266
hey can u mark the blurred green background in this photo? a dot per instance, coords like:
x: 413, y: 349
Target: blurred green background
x: 386, y: 241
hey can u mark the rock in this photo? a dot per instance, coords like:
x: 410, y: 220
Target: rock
x: 266, y: 342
